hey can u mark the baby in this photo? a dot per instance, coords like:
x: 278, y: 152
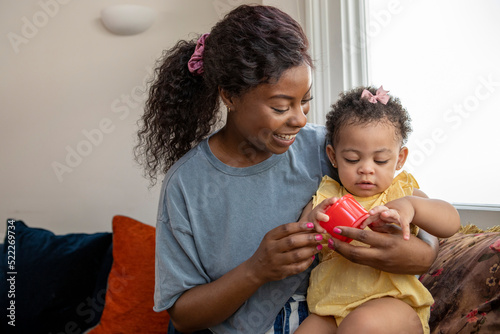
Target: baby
x: 367, y: 129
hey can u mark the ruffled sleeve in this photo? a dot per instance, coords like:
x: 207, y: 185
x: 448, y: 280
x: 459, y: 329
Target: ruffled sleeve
x: 328, y: 188
x: 402, y: 185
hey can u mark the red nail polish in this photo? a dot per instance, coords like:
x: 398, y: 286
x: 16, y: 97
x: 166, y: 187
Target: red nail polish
x: 331, y: 244
x: 319, y: 247
x: 337, y: 230
x: 318, y: 237
x: 310, y: 225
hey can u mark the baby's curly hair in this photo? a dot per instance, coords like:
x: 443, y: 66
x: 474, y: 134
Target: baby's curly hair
x: 351, y: 109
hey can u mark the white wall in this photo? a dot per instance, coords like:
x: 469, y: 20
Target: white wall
x: 65, y: 78
x: 62, y: 76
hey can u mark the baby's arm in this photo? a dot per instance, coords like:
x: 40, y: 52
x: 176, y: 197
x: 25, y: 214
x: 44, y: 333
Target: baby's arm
x: 304, y: 217
x: 436, y: 217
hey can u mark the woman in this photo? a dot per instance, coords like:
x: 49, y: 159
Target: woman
x: 230, y: 254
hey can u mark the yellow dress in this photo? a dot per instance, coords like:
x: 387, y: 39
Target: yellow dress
x: 337, y: 286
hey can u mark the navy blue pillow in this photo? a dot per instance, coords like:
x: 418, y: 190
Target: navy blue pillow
x: 59, y: 281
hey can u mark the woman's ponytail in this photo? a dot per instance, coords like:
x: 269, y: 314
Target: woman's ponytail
x: 180, y: 111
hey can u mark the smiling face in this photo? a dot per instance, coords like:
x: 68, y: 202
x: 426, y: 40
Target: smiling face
x: 264, y: 120
x: 367, y: 157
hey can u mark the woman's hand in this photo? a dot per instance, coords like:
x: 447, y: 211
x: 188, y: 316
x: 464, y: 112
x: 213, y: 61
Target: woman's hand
x: 388, y: 251
x: 286, y: 250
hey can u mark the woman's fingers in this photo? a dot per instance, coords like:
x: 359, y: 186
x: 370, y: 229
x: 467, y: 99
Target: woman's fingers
x: 296, y: 261
x: 289, y: 229
x: 386, y: 228
x: 295, y: 236
x: 371, y: 256
x: 386, y: 251
x: 286, y: 250
x: 365, y: 236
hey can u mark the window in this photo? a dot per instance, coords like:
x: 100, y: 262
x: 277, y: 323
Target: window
x: 441, y: 59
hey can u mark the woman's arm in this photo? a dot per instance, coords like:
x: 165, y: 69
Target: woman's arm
x: 389, y: 251
x: 286, y: 250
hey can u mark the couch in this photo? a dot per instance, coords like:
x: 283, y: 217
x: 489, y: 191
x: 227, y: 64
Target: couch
x: 103, y: 282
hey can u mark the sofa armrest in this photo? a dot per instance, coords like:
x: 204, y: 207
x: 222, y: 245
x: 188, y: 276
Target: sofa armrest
x: 465, y: 283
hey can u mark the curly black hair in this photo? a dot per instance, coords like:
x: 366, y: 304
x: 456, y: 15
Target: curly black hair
x: 251, y: 45
x: 351, y: 109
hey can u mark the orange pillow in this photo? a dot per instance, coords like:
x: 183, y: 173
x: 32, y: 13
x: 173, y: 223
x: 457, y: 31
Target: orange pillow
x: 129, y: 298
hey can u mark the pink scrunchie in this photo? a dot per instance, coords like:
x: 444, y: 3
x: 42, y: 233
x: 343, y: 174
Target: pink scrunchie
x: 195, y: 63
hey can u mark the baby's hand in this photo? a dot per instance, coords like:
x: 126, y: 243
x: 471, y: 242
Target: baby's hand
x: 318, y: 213
x: 398, y: 212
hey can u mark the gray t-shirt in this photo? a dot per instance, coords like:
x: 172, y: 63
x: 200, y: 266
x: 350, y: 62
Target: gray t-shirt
x: 212, y: 217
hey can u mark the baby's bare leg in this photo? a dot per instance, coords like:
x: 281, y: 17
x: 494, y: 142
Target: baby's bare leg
x: 318, y: 325
x: 385, y: 316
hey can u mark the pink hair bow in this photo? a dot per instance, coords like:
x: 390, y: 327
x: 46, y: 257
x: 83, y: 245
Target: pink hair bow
x: 380, y: 95
x: 195, y: 63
